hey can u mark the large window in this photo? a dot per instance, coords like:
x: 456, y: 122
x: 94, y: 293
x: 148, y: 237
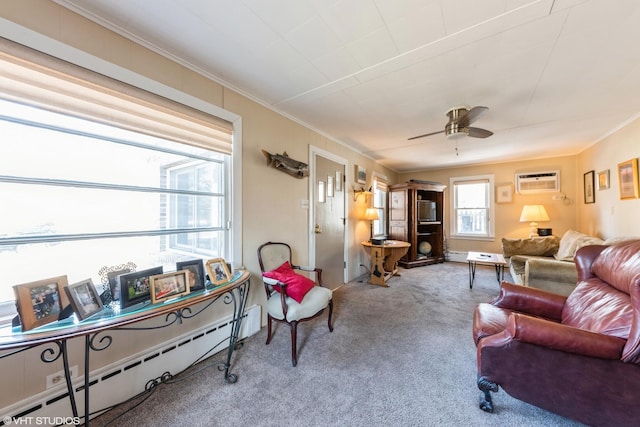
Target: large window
x: 96, y: 173
x: 77, y: 196
x: 471, y: 205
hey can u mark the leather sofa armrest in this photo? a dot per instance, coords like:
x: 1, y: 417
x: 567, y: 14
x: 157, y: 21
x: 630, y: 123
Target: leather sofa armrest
x: 563, y: 338
x: 584, y: 258
x: 532, y: 301
x: 551, y: 275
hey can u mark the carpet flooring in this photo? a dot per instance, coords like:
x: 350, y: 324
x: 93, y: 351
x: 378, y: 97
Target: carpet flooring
x: 398, y: 356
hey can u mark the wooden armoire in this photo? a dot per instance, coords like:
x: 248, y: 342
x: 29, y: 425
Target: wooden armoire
x: 416, y: 215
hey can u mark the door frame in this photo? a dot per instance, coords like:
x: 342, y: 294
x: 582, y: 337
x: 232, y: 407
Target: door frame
x: 313, y: 152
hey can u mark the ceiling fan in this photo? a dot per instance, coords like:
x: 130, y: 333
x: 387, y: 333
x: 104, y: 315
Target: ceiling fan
x: 459, y: 120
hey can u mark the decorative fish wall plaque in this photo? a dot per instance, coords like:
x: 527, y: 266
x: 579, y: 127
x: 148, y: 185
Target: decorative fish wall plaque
x: 286, y: 164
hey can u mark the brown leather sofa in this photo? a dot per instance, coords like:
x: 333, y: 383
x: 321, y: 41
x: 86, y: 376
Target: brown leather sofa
x: 576, y: 355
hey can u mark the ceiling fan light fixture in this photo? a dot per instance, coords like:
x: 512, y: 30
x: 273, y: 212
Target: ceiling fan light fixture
x: 453, y: 131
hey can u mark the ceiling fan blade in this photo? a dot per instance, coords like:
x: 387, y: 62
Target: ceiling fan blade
x: 426, y: 134
x: 479, y: 133
x: 471, y: 116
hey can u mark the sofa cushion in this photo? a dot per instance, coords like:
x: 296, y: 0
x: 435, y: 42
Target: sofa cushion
x: 618, y: 265
x: 597, y: 307
x: 541, y: 246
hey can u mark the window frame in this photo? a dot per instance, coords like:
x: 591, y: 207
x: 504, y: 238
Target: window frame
x: 25, y: 42
x: 490, y: 209
x: 380, y: 189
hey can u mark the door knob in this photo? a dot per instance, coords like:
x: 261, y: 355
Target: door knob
x: 318, y: 229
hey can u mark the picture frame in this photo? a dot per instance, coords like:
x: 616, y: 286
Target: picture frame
x: 84, y: 299
x: 589, y: 186
x: 628, y: 179
x: 603, y: 180
x: 504, y: 193
x: 360, y: 174
x: 169, y: 286
x: 109, y: 277
x: 135, y: 287
x: 218, y: 271
x: 195, y: 275
x: 40, y: 302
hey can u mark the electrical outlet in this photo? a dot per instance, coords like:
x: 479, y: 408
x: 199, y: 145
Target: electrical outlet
x: 56, y: 379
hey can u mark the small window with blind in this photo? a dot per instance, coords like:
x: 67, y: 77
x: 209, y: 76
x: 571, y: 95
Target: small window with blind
x: 472, y: 207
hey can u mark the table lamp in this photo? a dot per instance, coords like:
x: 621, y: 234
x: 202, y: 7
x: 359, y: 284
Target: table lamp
x: 371, y: 214
x: 533, y: 214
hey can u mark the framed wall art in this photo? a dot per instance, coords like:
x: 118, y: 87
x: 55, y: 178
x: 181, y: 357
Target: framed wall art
x: 168, y: 286
x: 504, y: 193
x: 589, y: 185
x: 628, y: 179
x: 40, y: 302
x: 218, y: 271
x: 603, y: 180
x: 360, y: 174
x: 84, y: 298
x: 195, y: 275
x: 136, y: 287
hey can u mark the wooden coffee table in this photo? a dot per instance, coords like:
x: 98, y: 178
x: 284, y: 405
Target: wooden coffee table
x: 486, y: 258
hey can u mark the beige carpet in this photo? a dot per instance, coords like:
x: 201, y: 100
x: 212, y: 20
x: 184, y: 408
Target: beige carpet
x: 398, y: 356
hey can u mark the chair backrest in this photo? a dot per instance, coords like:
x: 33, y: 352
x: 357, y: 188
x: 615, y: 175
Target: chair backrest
x: 607, y: 300
x: 272, y: 255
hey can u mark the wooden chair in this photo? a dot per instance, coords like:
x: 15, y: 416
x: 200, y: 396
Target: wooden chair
x: 285, y: 287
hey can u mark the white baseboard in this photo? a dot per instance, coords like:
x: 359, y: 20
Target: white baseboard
x: 128, y: 377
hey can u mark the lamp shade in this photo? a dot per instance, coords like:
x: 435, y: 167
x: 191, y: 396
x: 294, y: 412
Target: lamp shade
x: 371, y: 214
x: 533, y: 213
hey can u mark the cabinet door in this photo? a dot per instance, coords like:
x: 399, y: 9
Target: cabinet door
x: 398, y: 215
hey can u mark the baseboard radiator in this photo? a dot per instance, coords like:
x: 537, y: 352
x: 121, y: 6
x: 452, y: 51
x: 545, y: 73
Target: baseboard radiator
x: 456, y: 256
x: 128, y: 377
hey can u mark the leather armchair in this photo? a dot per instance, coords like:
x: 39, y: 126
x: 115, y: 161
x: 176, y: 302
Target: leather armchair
x: 574, y: 355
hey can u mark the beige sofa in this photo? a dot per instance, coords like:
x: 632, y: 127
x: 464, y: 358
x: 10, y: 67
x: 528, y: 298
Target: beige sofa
x: 546, y: 262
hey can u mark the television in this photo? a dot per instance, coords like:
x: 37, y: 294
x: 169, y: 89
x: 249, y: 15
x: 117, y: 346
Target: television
x: 427, y: 211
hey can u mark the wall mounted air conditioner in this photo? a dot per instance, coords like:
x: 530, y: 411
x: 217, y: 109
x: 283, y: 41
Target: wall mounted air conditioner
x: 537, y: 182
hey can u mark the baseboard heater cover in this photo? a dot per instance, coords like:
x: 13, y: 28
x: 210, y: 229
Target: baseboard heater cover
x: 127, y: 377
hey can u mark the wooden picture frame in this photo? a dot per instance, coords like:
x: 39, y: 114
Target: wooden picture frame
x: 589, y: 180
x: 40, y: 302
x: 195, y: 275
x: 603, y: 180
x: 84, y: 299
x: 169, y: 286
x: 218, y: 271
x: 360, y: 174
x: 135, y: 287
x: 504, y: 193
x: 628, y: 179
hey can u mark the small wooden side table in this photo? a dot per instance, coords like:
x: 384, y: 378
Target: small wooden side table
x: 487, y: 258
x: 384, y: 259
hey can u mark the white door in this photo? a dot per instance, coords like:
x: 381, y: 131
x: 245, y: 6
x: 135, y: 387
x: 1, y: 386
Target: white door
x: 328, y: 219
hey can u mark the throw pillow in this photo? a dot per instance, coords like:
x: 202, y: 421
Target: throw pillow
x: 297, y: 284
x: 568, y: 245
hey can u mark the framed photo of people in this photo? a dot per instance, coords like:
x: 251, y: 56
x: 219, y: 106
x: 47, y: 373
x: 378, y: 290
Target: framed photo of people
x: 218, y: 271
x: 169, y: 286
x: 84, y: 298
x: 195, y: 275
x: 40, y: 302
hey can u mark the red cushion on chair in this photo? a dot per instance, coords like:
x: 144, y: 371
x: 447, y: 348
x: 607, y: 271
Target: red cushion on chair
x: 297, y: 285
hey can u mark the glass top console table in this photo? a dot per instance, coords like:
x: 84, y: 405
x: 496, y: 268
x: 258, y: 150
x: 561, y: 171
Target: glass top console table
x: 95, y: 330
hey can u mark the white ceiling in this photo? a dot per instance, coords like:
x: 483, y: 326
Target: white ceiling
x: 557, y: 75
